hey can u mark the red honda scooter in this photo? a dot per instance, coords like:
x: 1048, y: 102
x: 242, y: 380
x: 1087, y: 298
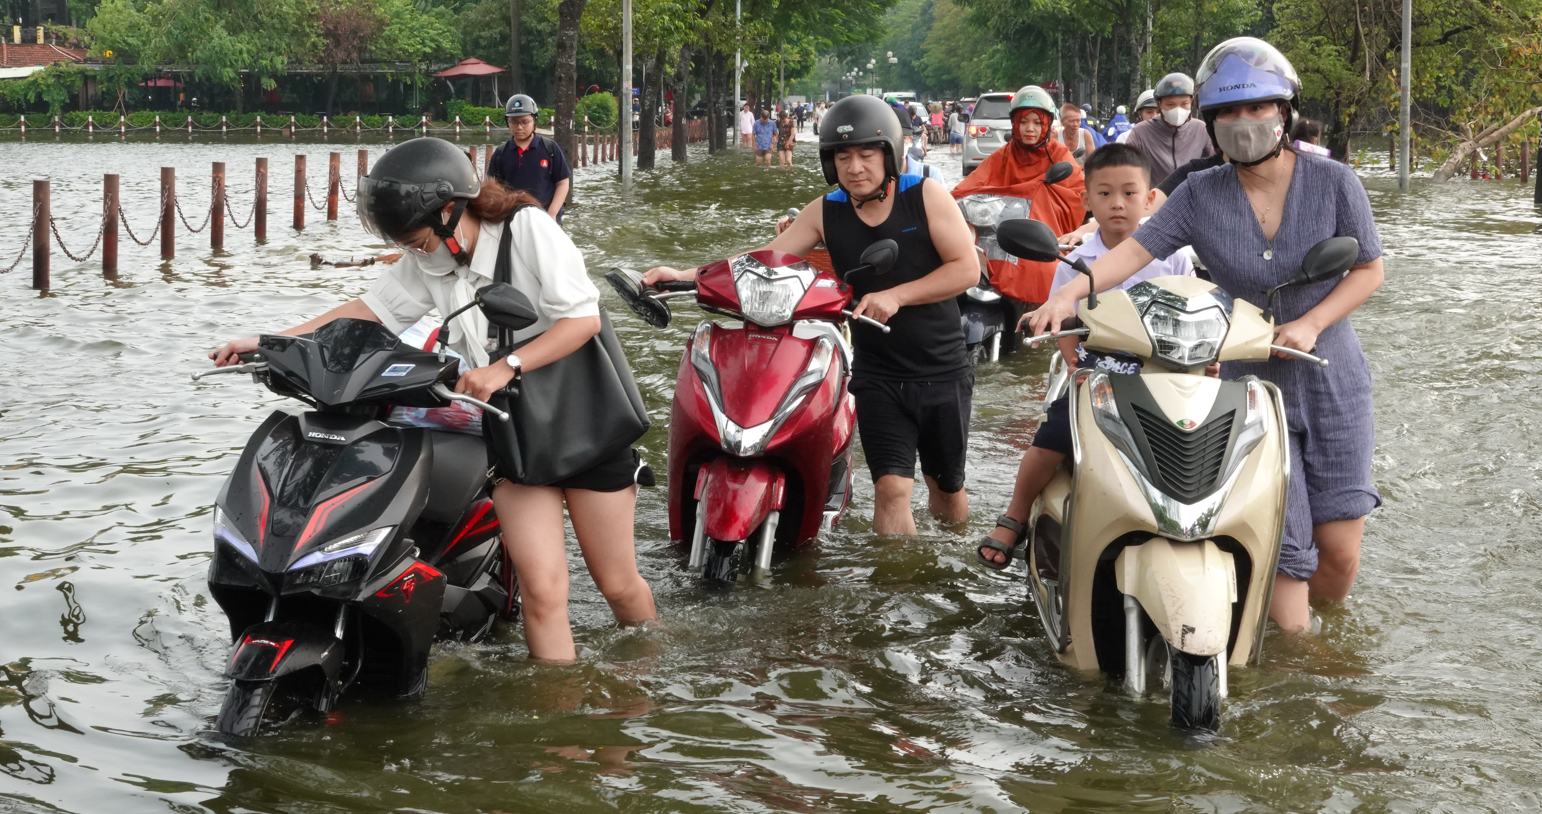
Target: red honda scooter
x: 761, y: 425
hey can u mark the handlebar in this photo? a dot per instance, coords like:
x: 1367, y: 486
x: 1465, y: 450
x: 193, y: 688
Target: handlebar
x: 675, y: 286
x: 249, y: 367
x: 1047, y: 337
x: 1303, y: 355
x: 867, y: 319
x: 450, y: 395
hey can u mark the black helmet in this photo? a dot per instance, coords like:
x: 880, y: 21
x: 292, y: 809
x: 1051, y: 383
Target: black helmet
x: 520, y: 105
x: 860, y: 120
x: 410, y: 184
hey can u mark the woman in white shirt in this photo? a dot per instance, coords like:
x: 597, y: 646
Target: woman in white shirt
x: 450, y: 228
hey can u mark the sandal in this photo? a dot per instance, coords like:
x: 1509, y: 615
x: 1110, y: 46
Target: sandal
x: 1018, y: 530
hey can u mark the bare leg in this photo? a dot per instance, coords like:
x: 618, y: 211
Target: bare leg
x: 891, y: 505
x: 603, y: 523
x: 1288, y: 607
x: 1033, y: 474
x: 531, y: 517
x: 1338, y: 558
x: 949, y: 507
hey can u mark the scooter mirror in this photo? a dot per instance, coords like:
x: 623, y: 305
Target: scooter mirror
x: 1327, y: 260
x: 1058, y: 171
x: 629, y: 285
x: 1028, y: 239
x: 880, y: 256
x: 506, y: 307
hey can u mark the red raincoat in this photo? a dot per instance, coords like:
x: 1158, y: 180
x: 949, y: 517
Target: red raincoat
x: 1018, y: 171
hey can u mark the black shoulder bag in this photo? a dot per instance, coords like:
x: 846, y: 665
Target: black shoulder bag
x: 568, y: 416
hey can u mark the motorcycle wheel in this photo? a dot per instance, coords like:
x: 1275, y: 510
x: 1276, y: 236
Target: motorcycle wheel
x: 245, y: 707
x: 1196, y: 692
x: 725, y: 561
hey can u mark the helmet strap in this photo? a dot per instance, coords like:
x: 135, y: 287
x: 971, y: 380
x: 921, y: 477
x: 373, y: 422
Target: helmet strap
x: 879, y: 196
x: 446, y: 233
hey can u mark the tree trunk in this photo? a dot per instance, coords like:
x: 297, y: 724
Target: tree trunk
x: 679, y: 87
x: 726, y: 131
x: 1488, y: 136
x: 516, y: 73
x: 331, y: 92
x: 709, y: 71
x: 565, y: 75
x: 647, y: 135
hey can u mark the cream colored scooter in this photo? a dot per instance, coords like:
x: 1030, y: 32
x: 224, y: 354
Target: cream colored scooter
x: 1152, y: 551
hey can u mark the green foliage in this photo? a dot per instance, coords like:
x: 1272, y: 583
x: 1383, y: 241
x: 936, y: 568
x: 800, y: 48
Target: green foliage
x: 54, y: 84
x: 601, y: 110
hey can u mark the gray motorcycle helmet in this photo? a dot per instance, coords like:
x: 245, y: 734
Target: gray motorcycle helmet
x: 520, y: 105
x: 409, y: 186
x: 1147, y: 99
x: 860, y: 120
x: 1174, y: 84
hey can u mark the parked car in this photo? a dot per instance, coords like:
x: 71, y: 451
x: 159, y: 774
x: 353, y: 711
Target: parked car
x: 989, y: 128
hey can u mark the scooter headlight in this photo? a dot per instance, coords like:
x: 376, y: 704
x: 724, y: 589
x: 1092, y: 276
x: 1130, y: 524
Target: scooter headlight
x: 769, y: 296
x: 1105, y: 411
x: 342, y: 560
x: 226, y: 532
x: 1254, y: 426
x: 1185, y: 339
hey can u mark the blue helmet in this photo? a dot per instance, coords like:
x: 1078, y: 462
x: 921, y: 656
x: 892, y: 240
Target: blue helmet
x: 1243, y: 70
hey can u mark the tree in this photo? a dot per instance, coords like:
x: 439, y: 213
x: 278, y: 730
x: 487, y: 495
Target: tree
x: 569, y: 13
x: 347, y: 29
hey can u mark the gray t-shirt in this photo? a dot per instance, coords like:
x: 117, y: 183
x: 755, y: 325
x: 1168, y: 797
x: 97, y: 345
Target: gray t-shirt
x: 1170, y: 147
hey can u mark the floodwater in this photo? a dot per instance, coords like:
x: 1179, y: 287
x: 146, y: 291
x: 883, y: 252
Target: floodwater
x: 872, y: 675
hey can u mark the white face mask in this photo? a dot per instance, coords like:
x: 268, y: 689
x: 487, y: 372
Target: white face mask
x: 1176, y: 116
x: 437, y: 262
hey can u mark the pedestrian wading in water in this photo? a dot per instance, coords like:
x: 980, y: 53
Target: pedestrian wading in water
x: 451, y: 241
x: 1251, y: 222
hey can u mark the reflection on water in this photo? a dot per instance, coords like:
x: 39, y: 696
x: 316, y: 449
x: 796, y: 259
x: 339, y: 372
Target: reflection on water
x: 872, y: 674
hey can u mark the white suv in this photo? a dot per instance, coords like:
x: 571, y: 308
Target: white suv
x: 990, y: 127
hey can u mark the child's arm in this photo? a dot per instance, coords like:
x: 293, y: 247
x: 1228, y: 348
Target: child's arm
x: 1068, y: 346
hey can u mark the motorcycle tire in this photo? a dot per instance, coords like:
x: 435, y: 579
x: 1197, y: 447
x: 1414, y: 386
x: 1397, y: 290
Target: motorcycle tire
x: 246, y: 704
x: 1196, y: 692
x: 725, y: 561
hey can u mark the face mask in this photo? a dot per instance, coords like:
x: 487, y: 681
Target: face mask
x: 1176, y: 116
x: 437, y: 262
x: 1249, y: 141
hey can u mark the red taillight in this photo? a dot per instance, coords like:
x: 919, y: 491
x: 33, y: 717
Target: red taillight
x: 407, y: 583
x: 978, y: 130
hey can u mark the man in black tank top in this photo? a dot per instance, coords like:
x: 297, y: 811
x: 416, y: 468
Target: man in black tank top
x: 914, y: 385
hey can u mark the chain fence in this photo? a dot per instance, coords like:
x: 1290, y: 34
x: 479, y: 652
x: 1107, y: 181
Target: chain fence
x: 53, y: 225
x: 151, y: 239
x: 176, y: 203
x: 26, y: 244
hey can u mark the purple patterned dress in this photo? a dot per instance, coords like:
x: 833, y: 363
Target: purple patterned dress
x: 1328, y: 410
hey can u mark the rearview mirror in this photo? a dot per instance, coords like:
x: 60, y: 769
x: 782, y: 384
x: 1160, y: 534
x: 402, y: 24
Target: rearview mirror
x: 629, y: 285
x: 1028, y: 239
x: 1058, y: 171
x: 880, y: 256
x: 506, y: 307
x: 1327, y: 260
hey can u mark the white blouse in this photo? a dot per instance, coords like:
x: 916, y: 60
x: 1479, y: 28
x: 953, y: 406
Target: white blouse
x: 546, y: 267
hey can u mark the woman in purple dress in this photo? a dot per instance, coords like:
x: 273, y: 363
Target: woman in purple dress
x: 1251, y: 222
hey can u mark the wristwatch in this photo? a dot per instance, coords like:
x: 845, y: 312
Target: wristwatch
x: 514, y: 362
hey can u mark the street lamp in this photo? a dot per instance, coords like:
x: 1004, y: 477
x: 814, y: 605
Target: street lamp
x: 893, y: 60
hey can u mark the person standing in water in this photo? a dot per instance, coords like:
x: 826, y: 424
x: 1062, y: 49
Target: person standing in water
x: 914, y: 386
x: 1252, y: 222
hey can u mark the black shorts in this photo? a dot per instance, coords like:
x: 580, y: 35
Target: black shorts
x: 898, y: 421
x: 1054, y: 431
x: 624, y: 469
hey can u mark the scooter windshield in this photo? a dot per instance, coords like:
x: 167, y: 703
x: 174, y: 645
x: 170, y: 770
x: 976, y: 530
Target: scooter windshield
x: 344, y: 342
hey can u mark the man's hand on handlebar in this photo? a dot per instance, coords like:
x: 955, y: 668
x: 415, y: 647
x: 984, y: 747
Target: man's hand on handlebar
x: 783, y: 224
x: 482, y: 382
x: 664, y: 274
x: 1048, y: 316
x: 227, y: 353
x: 878, y: 306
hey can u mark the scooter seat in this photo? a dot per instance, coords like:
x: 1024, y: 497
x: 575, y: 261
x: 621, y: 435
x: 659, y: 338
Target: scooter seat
x: 459, y: 474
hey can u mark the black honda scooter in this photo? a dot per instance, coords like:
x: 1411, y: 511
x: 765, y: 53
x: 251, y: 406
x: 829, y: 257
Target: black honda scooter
x: 344, y: 546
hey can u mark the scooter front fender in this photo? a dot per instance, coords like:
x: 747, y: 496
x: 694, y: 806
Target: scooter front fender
x: 270, y: 650
x: 738, y: 494
x: 1186, y: 588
